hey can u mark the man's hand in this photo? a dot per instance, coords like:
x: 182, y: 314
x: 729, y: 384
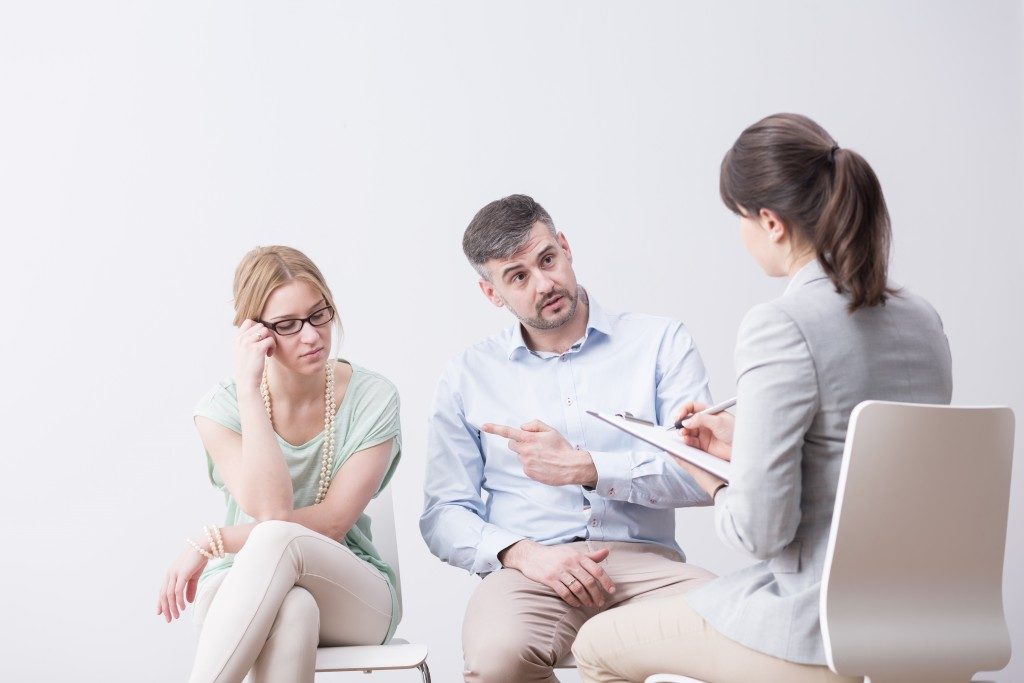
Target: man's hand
x: 547, y: 457
x: 576, y: 577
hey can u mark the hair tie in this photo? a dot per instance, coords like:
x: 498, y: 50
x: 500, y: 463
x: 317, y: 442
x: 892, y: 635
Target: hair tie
x: 832, y: 154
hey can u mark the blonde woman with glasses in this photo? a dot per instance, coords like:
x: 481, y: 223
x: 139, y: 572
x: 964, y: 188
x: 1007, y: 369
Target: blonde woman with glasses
x: 298, y: 442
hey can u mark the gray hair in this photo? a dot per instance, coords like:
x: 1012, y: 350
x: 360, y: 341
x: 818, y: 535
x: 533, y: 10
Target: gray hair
x: 502, y: 228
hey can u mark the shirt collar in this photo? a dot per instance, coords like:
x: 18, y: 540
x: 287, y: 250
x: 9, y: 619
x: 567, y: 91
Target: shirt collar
x: 516, y: 341
x: 597, y: 320
x: 810, y: 272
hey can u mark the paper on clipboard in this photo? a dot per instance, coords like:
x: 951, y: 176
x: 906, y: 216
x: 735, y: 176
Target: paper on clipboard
x: 668, y: 441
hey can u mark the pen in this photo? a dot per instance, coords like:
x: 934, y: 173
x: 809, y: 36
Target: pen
x: 724, y: 405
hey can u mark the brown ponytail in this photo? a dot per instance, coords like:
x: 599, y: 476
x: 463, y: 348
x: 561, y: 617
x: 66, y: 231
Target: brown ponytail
x: 827, y: 195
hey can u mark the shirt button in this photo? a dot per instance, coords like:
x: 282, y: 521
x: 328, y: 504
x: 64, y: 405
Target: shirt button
x: 593, y: 522
x: 577, y: 446
x: 564, y: 358
x: 611, y: 492
x: 568, y: 401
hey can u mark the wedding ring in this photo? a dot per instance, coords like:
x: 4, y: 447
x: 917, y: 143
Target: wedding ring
x: 259, y: 336
x: 572, y: 580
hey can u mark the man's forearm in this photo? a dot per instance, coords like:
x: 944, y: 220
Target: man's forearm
x: 647, y: 478
x: 587, y: 471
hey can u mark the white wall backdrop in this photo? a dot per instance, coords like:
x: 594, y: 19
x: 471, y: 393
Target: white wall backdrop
x: 145, y: 146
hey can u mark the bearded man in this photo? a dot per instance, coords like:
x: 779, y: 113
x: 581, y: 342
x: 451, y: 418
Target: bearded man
x: 562, y: 515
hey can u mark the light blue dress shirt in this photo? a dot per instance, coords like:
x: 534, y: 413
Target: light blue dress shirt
x: 479, y: 501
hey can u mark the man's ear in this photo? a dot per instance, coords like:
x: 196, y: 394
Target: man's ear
x: 488, y: 289
x: 564, y: 244
x: 775, y: 227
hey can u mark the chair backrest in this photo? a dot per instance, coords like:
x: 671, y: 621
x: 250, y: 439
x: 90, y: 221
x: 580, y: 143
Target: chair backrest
x: 382, y: 525
x: 912, y: 584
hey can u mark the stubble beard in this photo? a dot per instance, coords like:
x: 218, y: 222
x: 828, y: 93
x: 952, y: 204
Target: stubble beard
x: 539, y: 322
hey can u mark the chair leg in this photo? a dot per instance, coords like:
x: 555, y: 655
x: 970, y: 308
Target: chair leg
x: 424, y: 671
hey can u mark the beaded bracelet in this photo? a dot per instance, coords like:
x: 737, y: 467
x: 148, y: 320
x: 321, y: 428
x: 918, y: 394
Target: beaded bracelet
x: 216, y: 540
x: 211, y: 543
x: 220, y: 541
x: 202, y: 551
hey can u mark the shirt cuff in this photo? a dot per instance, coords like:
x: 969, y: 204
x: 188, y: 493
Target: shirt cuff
x: 614, y: 474
x: 494, y: 541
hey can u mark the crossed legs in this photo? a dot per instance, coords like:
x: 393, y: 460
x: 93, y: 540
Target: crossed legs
x: 289, y: 590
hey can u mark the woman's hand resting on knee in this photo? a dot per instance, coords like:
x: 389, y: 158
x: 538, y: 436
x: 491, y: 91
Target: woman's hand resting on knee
x: 180, y: 585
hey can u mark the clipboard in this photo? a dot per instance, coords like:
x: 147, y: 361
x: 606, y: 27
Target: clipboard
x: 668, y: 441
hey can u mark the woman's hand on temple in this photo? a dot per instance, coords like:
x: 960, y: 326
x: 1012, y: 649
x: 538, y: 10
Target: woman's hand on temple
x: 180, y: 584
x: 252, y: 347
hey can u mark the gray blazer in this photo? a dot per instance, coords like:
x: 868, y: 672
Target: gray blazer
x: 803, y: 363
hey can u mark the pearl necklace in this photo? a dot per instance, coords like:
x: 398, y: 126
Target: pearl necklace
x: 327, y: 460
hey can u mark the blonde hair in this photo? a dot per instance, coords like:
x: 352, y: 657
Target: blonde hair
x: 264, y: 269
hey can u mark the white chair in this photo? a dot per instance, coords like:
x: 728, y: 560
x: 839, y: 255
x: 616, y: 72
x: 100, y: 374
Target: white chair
x: 912, y: 586
x: 398, y: 653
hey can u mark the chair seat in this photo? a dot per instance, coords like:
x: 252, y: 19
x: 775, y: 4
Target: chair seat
x: 397, y: 654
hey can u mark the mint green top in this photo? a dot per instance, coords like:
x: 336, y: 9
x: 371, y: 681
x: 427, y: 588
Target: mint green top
x: 367, y: 416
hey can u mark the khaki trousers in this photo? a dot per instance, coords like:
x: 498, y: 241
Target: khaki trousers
x: 289, y: 590
x: 667, y: 636
x: 515, y: 629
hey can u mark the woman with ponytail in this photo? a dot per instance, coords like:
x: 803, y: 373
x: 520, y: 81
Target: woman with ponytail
x: 841, y: 333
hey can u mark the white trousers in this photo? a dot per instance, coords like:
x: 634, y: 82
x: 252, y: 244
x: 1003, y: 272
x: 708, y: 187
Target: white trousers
x: 667, y: 636
x: 289, y: 590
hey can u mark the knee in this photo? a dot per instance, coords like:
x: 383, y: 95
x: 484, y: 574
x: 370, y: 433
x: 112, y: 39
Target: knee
x: 587, y: 648
x: 272, y: 534
x: 511, y: 653
x: 299, y: 618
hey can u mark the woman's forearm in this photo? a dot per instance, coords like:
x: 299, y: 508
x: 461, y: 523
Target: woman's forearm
x: 324, y: 521
x: 341, y: 509
x: 234, y: 537
x: 314, y: 518
x: 267, y: 483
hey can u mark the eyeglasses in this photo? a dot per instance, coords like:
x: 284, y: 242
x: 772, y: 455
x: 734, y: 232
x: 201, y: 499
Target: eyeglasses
x: 293, y: 325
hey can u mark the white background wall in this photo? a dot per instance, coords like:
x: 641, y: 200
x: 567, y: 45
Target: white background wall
x: 145, y: 146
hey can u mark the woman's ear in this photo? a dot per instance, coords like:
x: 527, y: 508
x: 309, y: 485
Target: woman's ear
x: 772, y: 224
